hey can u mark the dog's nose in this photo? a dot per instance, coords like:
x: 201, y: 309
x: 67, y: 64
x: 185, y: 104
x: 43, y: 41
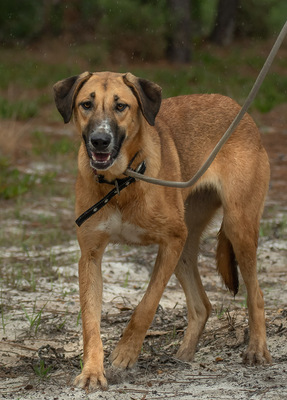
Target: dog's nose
x: 101, y: 141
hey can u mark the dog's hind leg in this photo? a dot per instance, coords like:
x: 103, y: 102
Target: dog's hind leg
x: 198, y: 305
x: 242, y: 208
x: 243, y: 234
x: 200, y: 208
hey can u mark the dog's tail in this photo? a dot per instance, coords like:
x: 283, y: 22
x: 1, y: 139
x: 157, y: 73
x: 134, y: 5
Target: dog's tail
x: 226, y: 262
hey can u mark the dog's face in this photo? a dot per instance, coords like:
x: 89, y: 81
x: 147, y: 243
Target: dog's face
x: 108, y: 110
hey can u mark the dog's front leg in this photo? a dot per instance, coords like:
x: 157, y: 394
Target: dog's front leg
x: 126, y: 353
x: 90, y: 281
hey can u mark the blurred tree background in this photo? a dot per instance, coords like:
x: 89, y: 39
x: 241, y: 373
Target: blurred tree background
x: 140, y: 29
x: 186, y: 46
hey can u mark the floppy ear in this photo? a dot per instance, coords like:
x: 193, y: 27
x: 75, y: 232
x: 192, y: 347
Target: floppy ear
x: 148, y: 95
x: 65, y: 92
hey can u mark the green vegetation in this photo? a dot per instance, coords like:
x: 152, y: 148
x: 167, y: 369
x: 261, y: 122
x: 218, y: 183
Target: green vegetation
x: 41, y: 370
x: 20, y: 110
x: 25, y: 69
x: 45, y: 146
x: 13, y: 183
x: 34, y: 320
x: 218, y: 76
x: 3, y: 316
x: 117, y: 22
x: 123, y: 35
x: 273, y: 228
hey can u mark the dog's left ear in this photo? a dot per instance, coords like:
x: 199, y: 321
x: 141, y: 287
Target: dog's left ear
x: 148, y: 95
x: 65, y: 92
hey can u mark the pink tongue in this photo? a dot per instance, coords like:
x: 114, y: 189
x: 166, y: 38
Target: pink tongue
x: 102, y: 157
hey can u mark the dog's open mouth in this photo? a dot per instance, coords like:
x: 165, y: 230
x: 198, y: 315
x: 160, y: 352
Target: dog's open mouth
x: 102, y: 161
x: 101, y: 157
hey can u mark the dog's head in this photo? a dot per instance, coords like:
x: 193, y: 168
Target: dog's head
x: 108, y: 110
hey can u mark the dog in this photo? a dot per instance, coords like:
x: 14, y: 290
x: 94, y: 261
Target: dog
x: 125, y: 123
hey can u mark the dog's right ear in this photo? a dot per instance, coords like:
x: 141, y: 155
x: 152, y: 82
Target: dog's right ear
x: 65, y: 92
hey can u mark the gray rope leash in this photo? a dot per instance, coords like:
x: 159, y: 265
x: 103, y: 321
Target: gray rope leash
x: 231, y: 128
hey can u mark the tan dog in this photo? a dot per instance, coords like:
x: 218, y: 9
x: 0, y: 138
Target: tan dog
x: 123, y: 122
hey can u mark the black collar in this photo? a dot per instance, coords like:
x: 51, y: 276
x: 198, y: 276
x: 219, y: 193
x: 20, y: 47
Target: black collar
x: 119, y: 184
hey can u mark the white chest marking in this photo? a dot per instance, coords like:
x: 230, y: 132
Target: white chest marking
x: 121, y: 232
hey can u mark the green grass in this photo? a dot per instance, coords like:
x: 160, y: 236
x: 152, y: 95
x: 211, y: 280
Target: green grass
x: 233, y: 76
x: 44, y: 145
x: 4, y: 317
x: 272, y: 93
x: 14, y: 183
x: 273, y: 229
x: 60, y: 153
x: 42, y: 371
x: 34, y: 319
x: 230, y: 72
x: 24, y: 69
x: 19, y: 110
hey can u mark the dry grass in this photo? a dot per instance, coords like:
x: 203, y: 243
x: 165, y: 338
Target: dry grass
x: 14, y: 139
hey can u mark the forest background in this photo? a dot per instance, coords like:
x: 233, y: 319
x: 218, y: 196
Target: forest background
x: 141, y: 29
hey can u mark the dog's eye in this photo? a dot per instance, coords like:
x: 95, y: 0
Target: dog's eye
x: 86, y: 105
x: 121, y: 107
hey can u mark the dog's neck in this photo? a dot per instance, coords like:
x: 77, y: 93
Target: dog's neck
x: 119, y: 184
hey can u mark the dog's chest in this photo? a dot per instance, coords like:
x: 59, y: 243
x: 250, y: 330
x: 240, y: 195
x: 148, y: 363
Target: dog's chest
x: 121, y: 231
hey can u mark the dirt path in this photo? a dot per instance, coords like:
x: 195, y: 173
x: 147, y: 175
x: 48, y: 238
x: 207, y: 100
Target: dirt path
x: 41, y: 331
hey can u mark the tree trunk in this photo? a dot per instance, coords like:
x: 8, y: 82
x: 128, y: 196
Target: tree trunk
x: 179, y: 38
x: 225, y: 22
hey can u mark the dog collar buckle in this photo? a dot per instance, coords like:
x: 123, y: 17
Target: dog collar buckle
x: 117, y: 187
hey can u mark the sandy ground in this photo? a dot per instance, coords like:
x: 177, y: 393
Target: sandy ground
x: 50, y: 342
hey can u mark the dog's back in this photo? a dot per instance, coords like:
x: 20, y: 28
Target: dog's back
x: 196, y: 123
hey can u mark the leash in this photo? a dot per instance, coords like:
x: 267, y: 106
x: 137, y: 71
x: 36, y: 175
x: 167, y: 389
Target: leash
x: 120, y: 184
x: 230, y: 130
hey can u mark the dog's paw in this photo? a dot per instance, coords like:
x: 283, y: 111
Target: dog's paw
x: 91, y: 380
x: 257, y: 356
x: 185, y: 354
x: 123, y: 357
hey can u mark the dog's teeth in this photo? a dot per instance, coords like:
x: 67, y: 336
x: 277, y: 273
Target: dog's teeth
x: 101, y: 157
